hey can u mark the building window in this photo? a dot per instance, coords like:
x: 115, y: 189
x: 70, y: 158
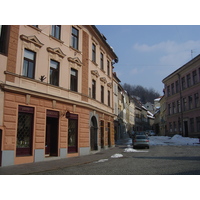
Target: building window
x: 102, y: 94
x: 75, y: 34
x: 108, y: 98
x: 108, y: 67
x: 174, y: 124
x: 25, y: 131
x: 93, y: 89
x: 192, y: 125
x: 178, y: 106
x: 172, y: 87
x: 199, y: 74
x: 55, y: 31
x: 4, y: 39
x: 184, y: 104
x: 190, y: 102
x: 101, y: 61
x: 198, y: 123
x: 29, y: 63
x: 170, y: 127
x: 74, y: 80
x: 177, y: 86
x: 169, y: 109
x: 54, y: 73
x: 94, y: 52
x: 194, y: 77
x: 188, y: 80
x: 183, y: 83
x: 168, y: 91
x: 196, y: 100
x: 173, y: 107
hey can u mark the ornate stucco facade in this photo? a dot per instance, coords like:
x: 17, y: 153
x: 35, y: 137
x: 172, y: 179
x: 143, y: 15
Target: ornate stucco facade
x: 56, y: 93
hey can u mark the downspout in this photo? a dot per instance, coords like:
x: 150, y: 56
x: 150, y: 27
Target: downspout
x: 181, y: 103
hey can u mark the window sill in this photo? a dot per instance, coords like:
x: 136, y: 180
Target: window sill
x: 37, y: 29
x: 94, y: 63
x: 76, y: 50
x: 58, y: 40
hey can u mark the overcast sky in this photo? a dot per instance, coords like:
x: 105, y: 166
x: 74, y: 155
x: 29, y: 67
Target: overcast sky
x: 147, y: 54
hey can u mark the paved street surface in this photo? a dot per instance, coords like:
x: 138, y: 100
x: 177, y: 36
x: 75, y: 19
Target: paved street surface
x: 120, y: 160
x: 158, y: 160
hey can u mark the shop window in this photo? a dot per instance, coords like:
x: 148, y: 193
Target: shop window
x: 25, y: 131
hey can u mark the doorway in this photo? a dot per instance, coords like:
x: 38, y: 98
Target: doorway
x: 93, y: 134
x: 186, y: 128
x: 51, y: 143
x: 109, y: 140
x: 73, y: 134
x: 102, y: 134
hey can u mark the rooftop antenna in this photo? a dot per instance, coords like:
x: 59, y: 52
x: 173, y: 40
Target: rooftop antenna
x: 192, y: 51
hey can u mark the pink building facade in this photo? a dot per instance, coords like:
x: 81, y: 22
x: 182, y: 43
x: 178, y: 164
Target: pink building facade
x: 182, y: 90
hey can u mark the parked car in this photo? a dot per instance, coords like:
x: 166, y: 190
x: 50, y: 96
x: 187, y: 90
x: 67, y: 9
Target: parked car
x: 150, y: 133
x: 140, y: 141
x: 132, y: 134
x: 138, y: 133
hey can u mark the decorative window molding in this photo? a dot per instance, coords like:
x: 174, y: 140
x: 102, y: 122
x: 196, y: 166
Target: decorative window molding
x: 109, y: 85
x: 31, y: 39
x: 94, y: 40
x: 56, y: 51
x: 75, y: 60
x: 103, y: 79
x: 95, y: 72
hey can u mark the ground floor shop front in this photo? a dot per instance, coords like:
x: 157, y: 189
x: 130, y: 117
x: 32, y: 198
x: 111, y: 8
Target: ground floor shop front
x: 36, y: 128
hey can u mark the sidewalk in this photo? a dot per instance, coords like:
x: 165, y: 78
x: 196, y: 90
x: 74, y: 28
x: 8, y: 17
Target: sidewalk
x: 26, y: 169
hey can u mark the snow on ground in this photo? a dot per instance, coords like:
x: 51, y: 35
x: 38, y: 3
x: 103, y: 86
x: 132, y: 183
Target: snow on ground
x: 117, y: 155
x: 176, y: 140
x: 133, y: 150
x: 102, y: 160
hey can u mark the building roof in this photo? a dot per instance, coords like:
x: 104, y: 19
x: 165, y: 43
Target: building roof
x: 197, y: 58
x: 103, y: 38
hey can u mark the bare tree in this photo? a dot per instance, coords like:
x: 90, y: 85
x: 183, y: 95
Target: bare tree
x: 145, y: 95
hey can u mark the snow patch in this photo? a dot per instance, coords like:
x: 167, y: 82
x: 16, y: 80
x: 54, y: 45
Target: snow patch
x: 176, y: 140
x: 102, y: 160
x: 133, y: 150
x: 117, y: 155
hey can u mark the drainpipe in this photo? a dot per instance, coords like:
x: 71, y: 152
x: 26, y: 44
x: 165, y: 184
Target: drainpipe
x: 181, y: 103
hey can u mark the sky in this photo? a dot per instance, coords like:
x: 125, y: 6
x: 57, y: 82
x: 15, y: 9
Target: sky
x: 149, y: 53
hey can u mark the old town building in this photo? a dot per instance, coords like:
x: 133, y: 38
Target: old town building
x: 56, y: 92
x: 182, y: 100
